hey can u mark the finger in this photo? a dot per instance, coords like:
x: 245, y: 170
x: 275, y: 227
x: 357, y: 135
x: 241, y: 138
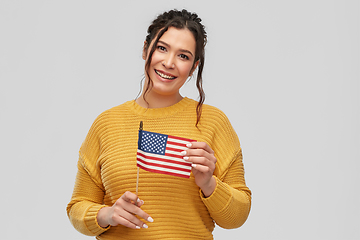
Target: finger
x: 131, y: 218
x: 139, y: 203
x: 202, y: 168
x: 130, y: 197
x: 124, y: 203
x: 198, y: 153
x: 202, y: 161
x: 133, y: 209
x: 200, y: 145
x: 118, y: 219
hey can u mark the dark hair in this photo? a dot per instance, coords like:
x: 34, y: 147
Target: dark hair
x: 180, y: 20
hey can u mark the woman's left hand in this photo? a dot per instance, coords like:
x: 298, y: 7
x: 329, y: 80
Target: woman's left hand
x: 203, y: 165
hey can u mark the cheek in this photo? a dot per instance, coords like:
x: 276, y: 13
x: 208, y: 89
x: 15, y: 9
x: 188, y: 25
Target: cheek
x: 155, y: 57
x: 186, y: 69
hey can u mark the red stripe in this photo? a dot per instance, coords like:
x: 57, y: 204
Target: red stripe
x: 164, y: 166
x: 173, y: 155
x: 165, y: 160
x: 163, y: 172
x: 176, y: 144
x: 174, y: 149
x: 180, y: 138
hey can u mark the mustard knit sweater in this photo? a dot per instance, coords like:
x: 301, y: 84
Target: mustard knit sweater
x: 107, y: 168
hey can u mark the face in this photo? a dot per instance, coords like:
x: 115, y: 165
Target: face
x: 172, y: 61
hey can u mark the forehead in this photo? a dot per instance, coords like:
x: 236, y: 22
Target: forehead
x: 179, y: 39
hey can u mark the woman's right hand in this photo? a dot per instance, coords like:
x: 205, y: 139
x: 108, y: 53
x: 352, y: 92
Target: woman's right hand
x: 123, y: 212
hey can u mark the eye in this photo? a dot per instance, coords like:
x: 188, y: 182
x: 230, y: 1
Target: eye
x: 183, y: 56
x: 161, y: 48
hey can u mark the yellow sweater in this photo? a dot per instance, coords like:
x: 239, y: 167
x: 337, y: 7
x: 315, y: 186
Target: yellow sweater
x: 107, y: 168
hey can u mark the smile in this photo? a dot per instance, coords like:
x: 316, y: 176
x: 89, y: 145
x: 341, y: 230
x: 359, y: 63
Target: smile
x: 164, y: 75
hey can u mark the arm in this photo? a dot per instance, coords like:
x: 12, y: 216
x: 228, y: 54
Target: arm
x: 229, y: 204
x: 86, y: 210
x: 227, y: 198
x: 90, y: 217
x: 219, y: 171
x: 85, y: 203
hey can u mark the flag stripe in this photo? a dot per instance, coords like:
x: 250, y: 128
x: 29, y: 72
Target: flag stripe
x: 180, y: 139
x: 176, y: 158
x: 176, y: 148
x: 145, y: 156
x: 177, y: 144
x: 164, y: 172
x: 152, y: 163
x: 171, y: 154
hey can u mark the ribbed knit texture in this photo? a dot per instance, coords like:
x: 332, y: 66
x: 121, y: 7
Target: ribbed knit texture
x: 107, y: 168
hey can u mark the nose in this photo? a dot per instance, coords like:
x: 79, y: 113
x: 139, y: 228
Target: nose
x: 169, y: 62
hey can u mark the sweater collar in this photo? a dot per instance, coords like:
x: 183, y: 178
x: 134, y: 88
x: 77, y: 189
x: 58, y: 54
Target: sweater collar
x: 159, y: 112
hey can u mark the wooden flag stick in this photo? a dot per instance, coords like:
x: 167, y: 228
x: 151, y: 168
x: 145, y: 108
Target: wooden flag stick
x: 138, y: 169
x: 137, y: 181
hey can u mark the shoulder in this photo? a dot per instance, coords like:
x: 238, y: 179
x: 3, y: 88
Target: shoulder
x: 116, y: 111
x: 124, y: 107
x: 214, y: 116
x: 207, y: 111
x: 110, y: 116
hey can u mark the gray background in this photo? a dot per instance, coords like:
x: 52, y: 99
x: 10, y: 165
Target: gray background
x: 285, y: 72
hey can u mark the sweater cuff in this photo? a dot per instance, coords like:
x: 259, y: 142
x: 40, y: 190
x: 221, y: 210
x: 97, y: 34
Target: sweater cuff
x: 219, y: 199
x: 91, y: 220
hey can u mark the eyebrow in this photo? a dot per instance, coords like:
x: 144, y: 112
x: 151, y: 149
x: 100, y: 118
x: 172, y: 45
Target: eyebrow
x: 181, y: 50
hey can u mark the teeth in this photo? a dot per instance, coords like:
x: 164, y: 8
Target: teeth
x: 164, y: 76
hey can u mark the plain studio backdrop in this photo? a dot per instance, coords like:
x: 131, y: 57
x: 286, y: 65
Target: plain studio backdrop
x: 286, y: 73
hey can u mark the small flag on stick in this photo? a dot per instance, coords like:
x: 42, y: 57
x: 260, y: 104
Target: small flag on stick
x: 160, y: 153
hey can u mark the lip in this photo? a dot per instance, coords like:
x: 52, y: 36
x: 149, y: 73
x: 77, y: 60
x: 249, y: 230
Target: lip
x: 165, y: 73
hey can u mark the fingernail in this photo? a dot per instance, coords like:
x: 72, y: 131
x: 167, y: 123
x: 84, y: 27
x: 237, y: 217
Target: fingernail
x: 150, y: 219
x: 137, y: 227
x: 193, y: 165
x: 186, y: 158
x: 145, y: 226
x: 189, y: 145
x: 138, y: 200
x: 183, y: 153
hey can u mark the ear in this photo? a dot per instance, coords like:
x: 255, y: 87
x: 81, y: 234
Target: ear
x: 144, y: 54
x: 194, y: 67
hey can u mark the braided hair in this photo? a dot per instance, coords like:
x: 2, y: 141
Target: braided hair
x: 180, y: 20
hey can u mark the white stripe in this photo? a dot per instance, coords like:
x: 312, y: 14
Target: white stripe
x: 177, y: 140
x: 176, y: 147
x: 165, y: 169
x: 161, y: 156
x: 164, y: 163
x: 172, y: 152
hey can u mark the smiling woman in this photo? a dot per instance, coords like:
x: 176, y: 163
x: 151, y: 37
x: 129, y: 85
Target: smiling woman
x: 196, y: 138
x: 171, y: 64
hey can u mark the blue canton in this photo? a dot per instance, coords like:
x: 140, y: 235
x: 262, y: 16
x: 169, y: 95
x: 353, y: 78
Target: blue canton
x: 152, y: 142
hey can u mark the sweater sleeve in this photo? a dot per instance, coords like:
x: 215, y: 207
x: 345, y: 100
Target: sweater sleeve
x: 229, y: 204
x: 88, y: 194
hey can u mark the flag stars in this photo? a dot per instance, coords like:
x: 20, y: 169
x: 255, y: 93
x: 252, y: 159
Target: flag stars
x: 153, y: 142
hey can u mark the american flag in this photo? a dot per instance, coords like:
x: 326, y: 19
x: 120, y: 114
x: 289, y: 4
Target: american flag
x: 160, y: 153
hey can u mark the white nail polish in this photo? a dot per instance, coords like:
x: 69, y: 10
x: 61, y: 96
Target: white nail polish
x: 150, y: 219
x: 145, y: 226
x: 183, y: 153
x: 193, y: 165
x: 137, y: 227
x: 189, y: 145
x: 186, y: 158
x: 138, y: 200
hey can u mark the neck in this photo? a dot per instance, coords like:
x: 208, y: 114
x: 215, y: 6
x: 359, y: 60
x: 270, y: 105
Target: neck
x: 154, y: 100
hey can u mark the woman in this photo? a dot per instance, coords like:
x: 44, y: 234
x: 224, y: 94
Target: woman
x: 105, y: 203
